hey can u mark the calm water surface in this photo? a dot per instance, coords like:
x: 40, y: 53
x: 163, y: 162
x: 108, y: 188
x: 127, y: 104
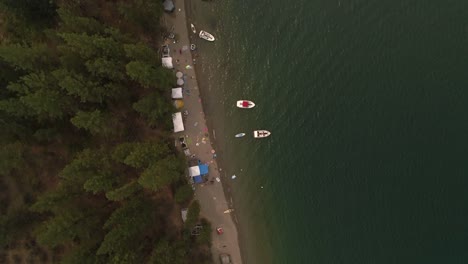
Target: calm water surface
x: 368, y: 105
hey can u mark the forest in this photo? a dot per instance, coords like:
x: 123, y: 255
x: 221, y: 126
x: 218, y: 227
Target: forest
x: 88, y: 168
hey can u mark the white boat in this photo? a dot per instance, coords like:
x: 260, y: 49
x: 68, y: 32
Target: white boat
x: 240, y: 135
x: 261, y: 133
x: 193, y: 29
x: 245, y: 104
x: 206, y: 36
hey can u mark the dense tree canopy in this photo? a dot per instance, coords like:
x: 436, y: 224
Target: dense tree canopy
x: 81, y: 169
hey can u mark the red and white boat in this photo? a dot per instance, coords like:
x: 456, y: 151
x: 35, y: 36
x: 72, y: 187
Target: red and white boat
x: 261, y: 133
x: 245, y: 104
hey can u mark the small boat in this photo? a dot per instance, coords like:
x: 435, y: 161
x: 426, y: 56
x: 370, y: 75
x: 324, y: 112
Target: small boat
x: 261, y: 133
x: 206, y: 36
x: 193, y: 47
x: 245, y: 104
x: 193, y: 29
x: 240, y: 135
x: 228, y: 211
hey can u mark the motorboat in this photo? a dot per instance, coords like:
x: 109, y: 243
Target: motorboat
x: 245, y: 104
x: 206, y: 36
x: 261, y: 133
x: 240, y: 135
x: 192, y: 27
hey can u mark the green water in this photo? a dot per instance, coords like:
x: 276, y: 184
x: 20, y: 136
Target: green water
x: 367, y: 102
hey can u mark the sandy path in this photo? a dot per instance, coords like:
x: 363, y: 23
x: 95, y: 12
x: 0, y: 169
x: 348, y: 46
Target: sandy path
x: 211, y: 195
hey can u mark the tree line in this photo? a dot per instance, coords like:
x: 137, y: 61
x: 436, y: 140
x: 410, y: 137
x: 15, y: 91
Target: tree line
x: 88, y: 168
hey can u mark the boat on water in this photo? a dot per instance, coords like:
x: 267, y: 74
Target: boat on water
x: 206, y: 36
x: 240, y: 135
x: 261, y: 133
x: 245, y: 104
x: 192, y: 27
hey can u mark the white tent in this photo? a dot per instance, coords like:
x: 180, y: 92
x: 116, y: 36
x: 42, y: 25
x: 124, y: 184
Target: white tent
x: 167, y: 62
x: 177, y: 93
x: 194, y: 171
x: 178, y: 123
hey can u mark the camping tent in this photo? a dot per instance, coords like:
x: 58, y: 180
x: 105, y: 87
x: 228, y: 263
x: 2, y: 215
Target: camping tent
x: 196, y: 172
x: 178, y: 123
x: 167, y: 62
x: 177, y: 93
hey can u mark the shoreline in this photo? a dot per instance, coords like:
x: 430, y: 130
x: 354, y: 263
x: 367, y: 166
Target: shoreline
x: 215, y: 197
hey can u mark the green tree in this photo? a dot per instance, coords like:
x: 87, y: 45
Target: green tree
x: 183, y: 194
x: 90, y: 46
x: 11, y: 157
x: 161, y: 173
x: 140, y: 52
x: 91, y: 170
x: 168, y: 253
x: 86, y: 89
x: 70, y: 22
x: 69, y: 224
x: 107, y: 69
x: 47, y: 104
x: 126, y: 225
x: 24, y: 57
x: 40, y: 12
x: 95, y: 122
x: 154, y: 108
x: 144, y: 154
x: 192, y: 214
x: 143, y: 14
x: 123, y: 192
x: 148, y: 75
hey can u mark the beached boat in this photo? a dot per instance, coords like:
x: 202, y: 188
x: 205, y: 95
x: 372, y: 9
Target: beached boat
x: 206, y: 36
x: 245, y: 104
x: 261, y: 133
x: 240, y: 135
x: 193, y: 29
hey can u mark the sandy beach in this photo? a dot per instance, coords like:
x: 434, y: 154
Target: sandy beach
x: 210, y: 194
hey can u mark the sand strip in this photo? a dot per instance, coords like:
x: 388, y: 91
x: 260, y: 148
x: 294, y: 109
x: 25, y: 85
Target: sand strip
x: 210, y: 194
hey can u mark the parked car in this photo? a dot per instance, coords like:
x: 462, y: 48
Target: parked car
x: 166, y: 51
x: 225, y: 258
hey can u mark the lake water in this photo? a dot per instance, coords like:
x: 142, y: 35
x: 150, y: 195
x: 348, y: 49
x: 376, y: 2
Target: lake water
x: 367, y: 102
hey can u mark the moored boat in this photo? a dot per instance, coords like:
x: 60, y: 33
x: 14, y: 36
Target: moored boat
x: 206, y: 36
x: 245, y: 104
x: 261, y: 133
x: 192, y: 27
x: 240, y: 135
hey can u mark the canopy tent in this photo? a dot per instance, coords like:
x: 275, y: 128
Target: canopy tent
x: 167, y: 62
x: 178, y: 123
x: 177, y: 93
x: 196, y: 172
x: 180, y: 82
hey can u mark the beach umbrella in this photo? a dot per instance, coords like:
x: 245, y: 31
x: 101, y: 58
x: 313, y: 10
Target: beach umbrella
x: 179, y: 104
x: 180, y: 82
x: 179, y: 74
